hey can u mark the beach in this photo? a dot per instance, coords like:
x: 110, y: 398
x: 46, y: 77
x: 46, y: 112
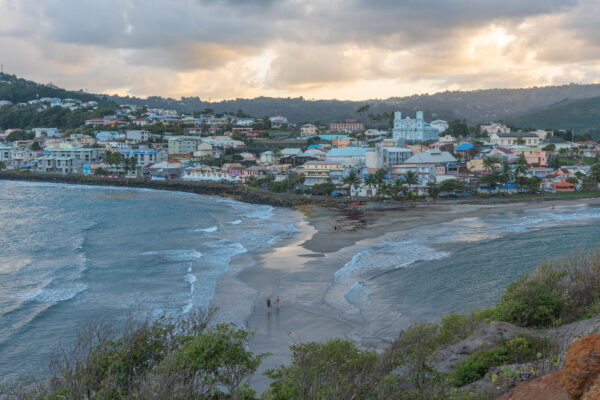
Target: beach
x: 304, y: 272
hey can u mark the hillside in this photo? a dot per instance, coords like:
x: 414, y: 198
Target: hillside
x: 19, y: 90
x: 578, y: 115
x: 476, y: 106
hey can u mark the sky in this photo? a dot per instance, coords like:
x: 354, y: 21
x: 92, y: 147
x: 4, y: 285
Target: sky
x: 345, y: 49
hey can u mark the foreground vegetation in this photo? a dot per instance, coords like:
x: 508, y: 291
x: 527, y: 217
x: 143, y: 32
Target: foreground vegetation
x: 193, y: 359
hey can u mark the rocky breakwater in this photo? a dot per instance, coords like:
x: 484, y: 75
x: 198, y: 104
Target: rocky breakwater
x: 238, y: 192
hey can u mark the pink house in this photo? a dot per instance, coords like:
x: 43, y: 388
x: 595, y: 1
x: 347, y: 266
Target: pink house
x: 532, y: 155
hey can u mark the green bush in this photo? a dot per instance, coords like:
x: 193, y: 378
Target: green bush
x: 517, y: 350
x: 532, y: 302
x: 456, y: 327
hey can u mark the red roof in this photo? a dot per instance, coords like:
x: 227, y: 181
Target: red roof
x: 564, y: 183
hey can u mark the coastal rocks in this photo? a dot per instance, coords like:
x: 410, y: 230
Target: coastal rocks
x: 546, y: 387
x: 578, y: 380
x: 581, y: 374
x: 485, y: 337
x: 564, y: 336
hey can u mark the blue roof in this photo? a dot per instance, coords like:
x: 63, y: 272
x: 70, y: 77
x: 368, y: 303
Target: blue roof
x: 314, y: 146
x: 465, y: 146
x: 331, y: 137
x: 347, y: 152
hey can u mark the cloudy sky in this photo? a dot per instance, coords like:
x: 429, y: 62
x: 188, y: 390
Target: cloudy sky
x: 348, y: 49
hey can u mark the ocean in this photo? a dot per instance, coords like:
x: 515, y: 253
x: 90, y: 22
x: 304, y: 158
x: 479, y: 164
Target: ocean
x: 70, y: 255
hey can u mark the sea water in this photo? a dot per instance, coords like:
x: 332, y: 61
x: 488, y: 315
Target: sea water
x: 70, y: 255
x: 425, y: 273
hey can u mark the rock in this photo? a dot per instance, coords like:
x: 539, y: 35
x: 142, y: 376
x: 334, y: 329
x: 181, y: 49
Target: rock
x: 564, y: 336
x: 485, y: 337
x: 546, y: 387
x: 581, y: 374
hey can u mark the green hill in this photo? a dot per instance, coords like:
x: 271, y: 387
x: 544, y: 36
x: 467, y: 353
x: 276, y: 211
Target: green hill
x: 581, y: 116
x: 20, y: 90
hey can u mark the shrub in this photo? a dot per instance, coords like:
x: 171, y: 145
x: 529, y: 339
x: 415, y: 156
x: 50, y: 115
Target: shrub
x: 333, y: 370
x: 456, y: 327
x: 532, y: 302
x: 517, y: 350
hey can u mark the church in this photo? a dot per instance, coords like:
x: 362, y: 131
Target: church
x: 413, y: 130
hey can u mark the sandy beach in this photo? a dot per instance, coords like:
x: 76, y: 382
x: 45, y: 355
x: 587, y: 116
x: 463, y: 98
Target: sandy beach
x: 300, y: 270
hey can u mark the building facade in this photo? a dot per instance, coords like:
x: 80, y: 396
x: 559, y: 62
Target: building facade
x: 413, y: 130
x: 349, y: 125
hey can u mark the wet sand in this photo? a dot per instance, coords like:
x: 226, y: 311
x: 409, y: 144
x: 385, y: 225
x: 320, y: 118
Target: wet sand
x: 301, y: 269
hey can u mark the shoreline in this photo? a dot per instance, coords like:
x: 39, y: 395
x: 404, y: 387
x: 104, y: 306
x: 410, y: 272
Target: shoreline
x: 301, y: 270
x: 254, y: 195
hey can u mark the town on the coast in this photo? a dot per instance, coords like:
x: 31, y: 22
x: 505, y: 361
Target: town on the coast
x: 365, y: 156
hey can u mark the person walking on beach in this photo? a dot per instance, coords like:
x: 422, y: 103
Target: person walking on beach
x: 277, y: 303
x: 268, y: 304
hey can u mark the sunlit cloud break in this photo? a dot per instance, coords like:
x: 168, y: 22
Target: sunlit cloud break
x: 349, y: 49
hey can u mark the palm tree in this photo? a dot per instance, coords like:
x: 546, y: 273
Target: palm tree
x: 490, y: 163
x: 521, y: 168
x: 371, y: 182
x: 411, y: 178
x: 351, y: 180
x: 397, y: 188
x: 505, y: 175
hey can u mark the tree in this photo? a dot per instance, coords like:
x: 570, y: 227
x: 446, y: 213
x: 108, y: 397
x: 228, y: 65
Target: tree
x: 492, y: 179
x: 433, y: 189
x: 533, y: 183
x: 595, y: 172
x: 362, y: 110
x: 35, y: 146
x: 351, y: 180
x: 506, y: 175
x: 371, y: 182
x: 520, y: 168
x: 490, y: 163
x: 2, y: 165
x: 397, y: 187
x: 411, y: 179
x: 520, y: 140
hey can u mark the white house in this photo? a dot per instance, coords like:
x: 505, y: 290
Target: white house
x: 440, y: 125
x: 267, y: 157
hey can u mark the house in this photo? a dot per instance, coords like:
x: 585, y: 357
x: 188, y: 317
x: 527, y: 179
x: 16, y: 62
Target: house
x: 558, y: 143
x: 55, y: 164
x: 82, y: 154
x: 317, y: 172
x: 137, y: 136
x: 540, y: 172
x: 511, y: 139
x: 248, y: 122
x: 425, y: 172
x: 413, y: 130
x: 431, y: 156
x: 560, y: 173
x: 352, y: 157
x: 267, y: 157
x: 146, y: 156
x: 494, y: 128
x: 349, y: 125
x: 253, y: 172
x: 106, y: 136
x: 291, y: 152
x: 46, y: 132
x: 165, y: 170
x: 558, y: 187
x: 440, y: 125
x: 315, y: 152
x: 309, y: 130
x: 534, y: 156
x: 183, y: 144
x: 374, y: 133
x: 387, y: 156
x: 278, y: 121
x: 141, y: 122
x: 204, y: 150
